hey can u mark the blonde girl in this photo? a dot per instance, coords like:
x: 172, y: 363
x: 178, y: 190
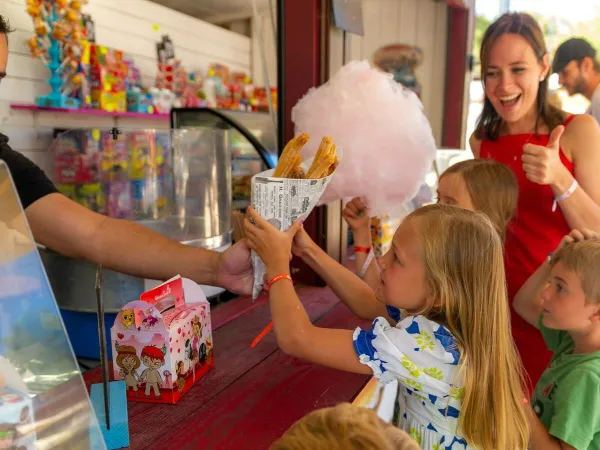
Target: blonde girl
x: 452, y: 353
x: 476, y: 184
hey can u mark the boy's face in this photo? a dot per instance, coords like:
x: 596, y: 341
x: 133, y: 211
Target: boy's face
x: 563, y: 302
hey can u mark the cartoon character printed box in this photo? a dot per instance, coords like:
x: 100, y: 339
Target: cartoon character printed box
x: 162, y: 343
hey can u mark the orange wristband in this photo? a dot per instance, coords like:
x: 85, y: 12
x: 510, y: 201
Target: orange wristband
x: 276, y: 278
x: 362, y: 249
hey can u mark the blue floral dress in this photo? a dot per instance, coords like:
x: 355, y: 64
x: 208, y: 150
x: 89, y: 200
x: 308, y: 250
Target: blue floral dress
x: 424, y: 357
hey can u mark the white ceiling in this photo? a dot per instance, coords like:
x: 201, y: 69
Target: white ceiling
x: 216, y: 11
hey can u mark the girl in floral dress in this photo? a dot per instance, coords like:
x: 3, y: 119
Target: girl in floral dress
x: 451, y: 350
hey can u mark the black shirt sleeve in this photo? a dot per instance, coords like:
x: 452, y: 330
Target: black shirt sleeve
x: 31, y: 181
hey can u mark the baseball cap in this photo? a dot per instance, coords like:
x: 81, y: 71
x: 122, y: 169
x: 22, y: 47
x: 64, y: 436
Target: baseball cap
x: 574, y: 49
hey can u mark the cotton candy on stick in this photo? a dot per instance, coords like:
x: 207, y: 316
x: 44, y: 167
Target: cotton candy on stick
x: 386, y: 139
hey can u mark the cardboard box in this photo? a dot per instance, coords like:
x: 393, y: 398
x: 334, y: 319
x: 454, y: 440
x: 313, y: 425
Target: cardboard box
x: 162, y: 343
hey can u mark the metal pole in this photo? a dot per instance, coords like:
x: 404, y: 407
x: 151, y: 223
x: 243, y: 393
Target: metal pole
x: 258, y: 26
x: 103, y: 352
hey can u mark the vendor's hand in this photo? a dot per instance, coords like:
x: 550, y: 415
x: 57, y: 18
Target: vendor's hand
x: 577, y: 236
x: 271, y: 245
x: 301, y: 243
x: 542, y: 165
x: 356, y: 215
x: 234, y: 269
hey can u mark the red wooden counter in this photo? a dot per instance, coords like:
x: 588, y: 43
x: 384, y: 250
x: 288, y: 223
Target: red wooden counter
x: 250, y: 396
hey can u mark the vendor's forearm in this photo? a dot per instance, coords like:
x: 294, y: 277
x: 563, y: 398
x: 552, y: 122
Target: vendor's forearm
x: 579, y: 209
x: 128, y: 247
x: 355, y: 293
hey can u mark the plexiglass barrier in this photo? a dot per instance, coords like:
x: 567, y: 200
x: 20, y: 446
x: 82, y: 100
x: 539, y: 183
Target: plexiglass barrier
x: 43, y: 401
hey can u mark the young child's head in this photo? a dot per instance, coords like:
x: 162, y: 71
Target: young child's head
x: 344, y: 427
x: 447, y: 264
x: 481, y: 185
x: 571, y: 300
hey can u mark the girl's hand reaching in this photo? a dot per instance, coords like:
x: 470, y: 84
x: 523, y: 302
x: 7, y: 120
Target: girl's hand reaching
x: 271, y: 245
x: 356, y: 215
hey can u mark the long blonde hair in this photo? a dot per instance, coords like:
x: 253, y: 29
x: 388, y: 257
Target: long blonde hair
x: 493, y: 189
x: 464, y: 268
x: 344, y: 427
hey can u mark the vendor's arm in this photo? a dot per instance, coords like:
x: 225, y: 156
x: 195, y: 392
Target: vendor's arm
x: 73, y: 230
x: 354, y: 292
x: 581, y: 141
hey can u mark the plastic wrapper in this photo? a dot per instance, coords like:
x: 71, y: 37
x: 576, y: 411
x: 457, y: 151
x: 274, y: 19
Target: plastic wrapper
x: 387, y: 140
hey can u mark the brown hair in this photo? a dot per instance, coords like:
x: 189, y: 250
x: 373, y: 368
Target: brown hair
x: 490, y: 123
x: 464, y: 269
x: 344, y: 427
x: 583, y: 258
x: 125, y: 351
x: 493, y: 189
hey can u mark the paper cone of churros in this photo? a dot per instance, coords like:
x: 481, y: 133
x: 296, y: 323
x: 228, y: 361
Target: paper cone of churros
x: 291, y: 190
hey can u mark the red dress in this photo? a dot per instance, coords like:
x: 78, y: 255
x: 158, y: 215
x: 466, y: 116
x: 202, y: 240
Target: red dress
x: 534, y: 232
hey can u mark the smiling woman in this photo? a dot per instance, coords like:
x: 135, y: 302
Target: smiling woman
x: 554, y: 157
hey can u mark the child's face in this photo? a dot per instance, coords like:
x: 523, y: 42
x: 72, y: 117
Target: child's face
x: 452, y: 190
x: 563, y: 302
x: 403, y: 282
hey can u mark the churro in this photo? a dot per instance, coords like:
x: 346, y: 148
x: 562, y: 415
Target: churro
x: 323, y: 165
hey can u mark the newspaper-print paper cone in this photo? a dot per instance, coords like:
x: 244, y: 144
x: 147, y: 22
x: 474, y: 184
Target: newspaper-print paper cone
x: 282, y: 201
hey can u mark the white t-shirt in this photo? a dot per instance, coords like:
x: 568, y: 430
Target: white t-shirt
x: 594, y: 109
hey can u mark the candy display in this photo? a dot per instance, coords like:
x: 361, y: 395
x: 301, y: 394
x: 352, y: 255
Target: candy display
x: 129, y: 177
x: 86, y: 74
x: 380, y: 126
x: 60, y: 42
x: 108, y: 73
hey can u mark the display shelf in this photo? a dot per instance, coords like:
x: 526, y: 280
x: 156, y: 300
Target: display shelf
x: 88, y: 112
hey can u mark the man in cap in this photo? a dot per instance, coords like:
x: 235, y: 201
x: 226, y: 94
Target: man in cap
x: 579, y: 71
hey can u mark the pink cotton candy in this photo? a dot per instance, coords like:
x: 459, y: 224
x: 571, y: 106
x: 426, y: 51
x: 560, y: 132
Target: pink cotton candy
x: 386, y: 140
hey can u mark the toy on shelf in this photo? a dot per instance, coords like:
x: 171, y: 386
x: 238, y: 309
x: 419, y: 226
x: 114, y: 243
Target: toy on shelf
x: 107, y: 78
x: 138, y: 99
x: 241, y: 90
x: 162, y: 343
x: 59, y: 42
x: 217, y: 86
x: 194, y: 94
x: 260, y: 102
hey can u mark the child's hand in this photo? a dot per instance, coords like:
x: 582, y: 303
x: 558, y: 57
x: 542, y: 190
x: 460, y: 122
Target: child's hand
x: 576, y: 236
x: 301, y: 243
x: 271, y: 245
x: 356, y: 215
